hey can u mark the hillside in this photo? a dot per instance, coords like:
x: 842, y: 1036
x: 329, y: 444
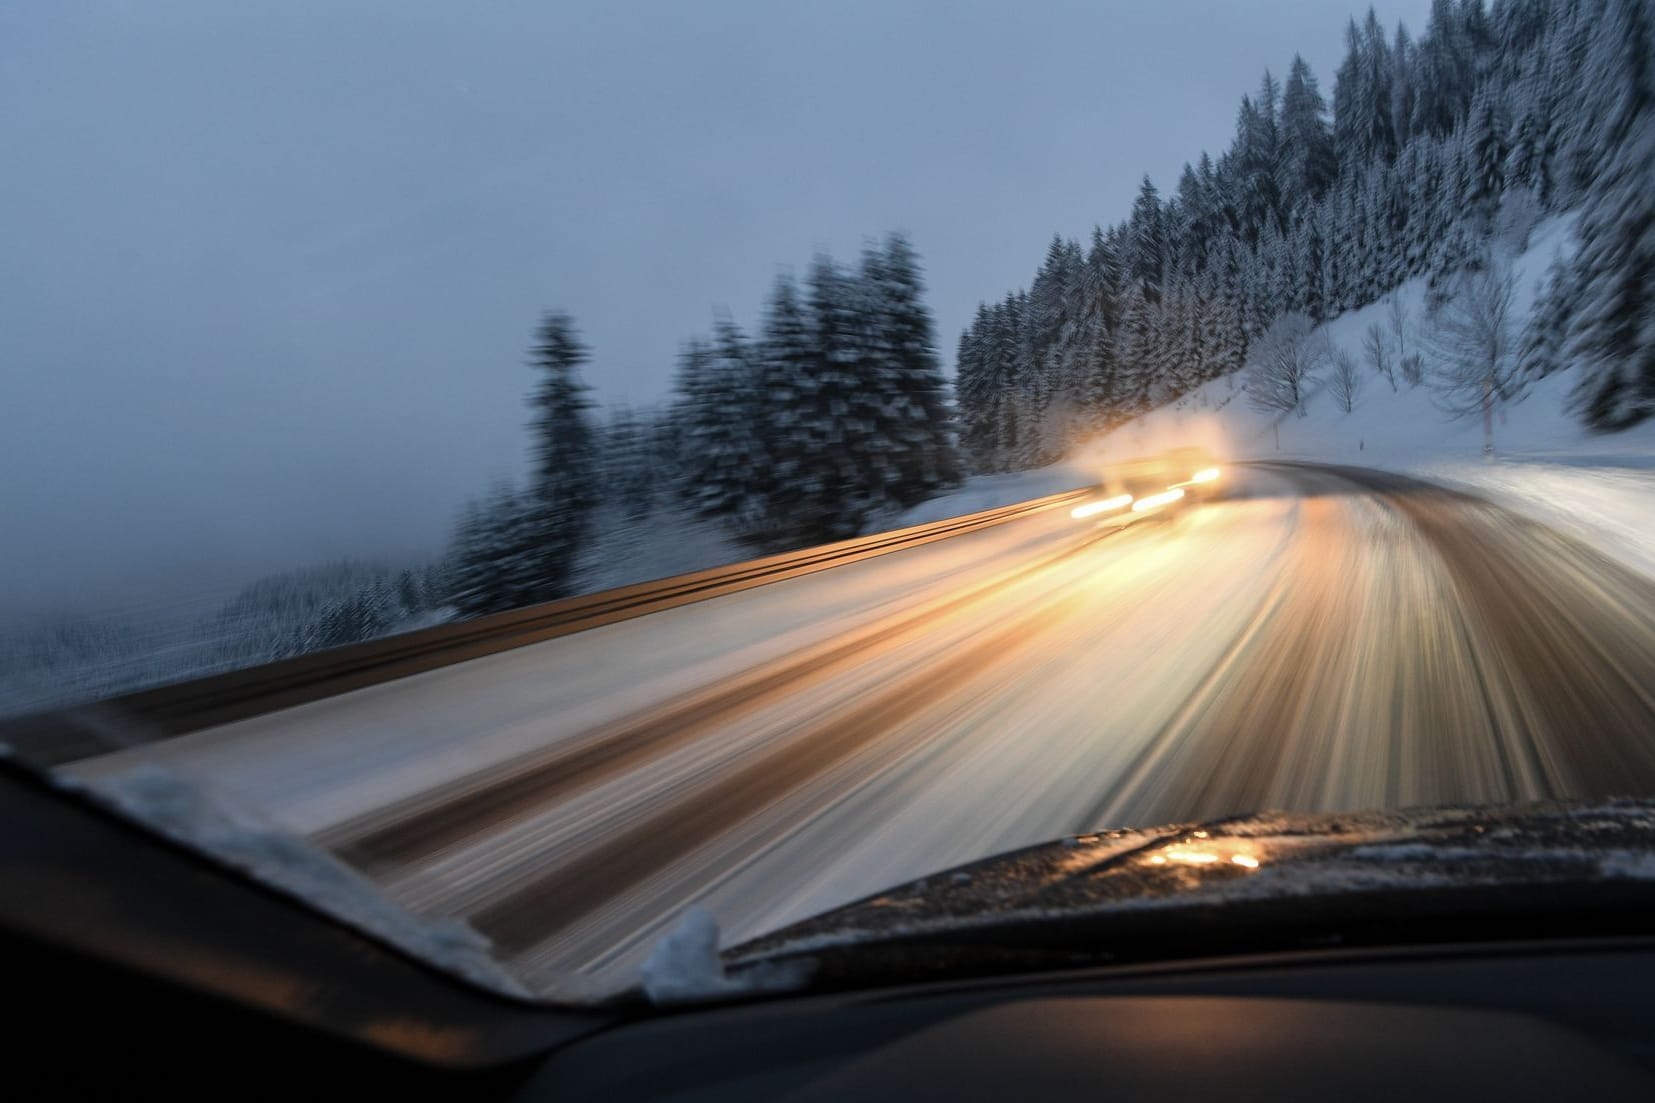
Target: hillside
x: 1437, y: 153
x: 1597, y: 485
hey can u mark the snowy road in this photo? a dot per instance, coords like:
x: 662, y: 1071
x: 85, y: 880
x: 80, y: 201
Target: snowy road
x: 1319, y: 640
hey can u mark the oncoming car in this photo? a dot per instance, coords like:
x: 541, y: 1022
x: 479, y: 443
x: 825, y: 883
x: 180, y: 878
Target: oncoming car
x: 1195, y: 471
x: 1169, y: 480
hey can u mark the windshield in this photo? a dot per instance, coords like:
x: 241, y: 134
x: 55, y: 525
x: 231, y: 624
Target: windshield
x: 571, y: 487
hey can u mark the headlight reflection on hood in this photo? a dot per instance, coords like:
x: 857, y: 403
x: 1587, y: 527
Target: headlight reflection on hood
x: 1193, y: 853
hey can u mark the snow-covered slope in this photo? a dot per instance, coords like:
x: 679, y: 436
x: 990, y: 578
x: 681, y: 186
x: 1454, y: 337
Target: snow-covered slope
x: 664, y: 542
x: 1599, y: 487
x: 982, y: 492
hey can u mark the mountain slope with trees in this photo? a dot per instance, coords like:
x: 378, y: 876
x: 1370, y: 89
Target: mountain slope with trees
x: 1497, y: 116
x: 1532, y: 455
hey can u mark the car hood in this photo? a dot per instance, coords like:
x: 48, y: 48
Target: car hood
x: 1248, y: 884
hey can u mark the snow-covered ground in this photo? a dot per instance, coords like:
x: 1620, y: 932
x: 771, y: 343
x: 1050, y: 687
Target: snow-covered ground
x: 665, y: 542
x: 1597, y: 487
x: 670, y: 541
x: 991, y: 492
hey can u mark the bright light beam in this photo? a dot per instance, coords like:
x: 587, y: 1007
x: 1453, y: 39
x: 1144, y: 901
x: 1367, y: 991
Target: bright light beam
x: 1092, y: 509
x: 1205, y: 475
x: 1155, y: 501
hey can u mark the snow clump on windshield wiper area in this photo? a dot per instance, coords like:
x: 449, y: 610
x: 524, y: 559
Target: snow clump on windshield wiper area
x: 684, y: 967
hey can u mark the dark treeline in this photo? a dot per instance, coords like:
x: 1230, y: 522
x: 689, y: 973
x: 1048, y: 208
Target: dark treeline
x: 836, y: 412
x: 79, y: 658
x: 1496, y: 116
x: 305, y: 610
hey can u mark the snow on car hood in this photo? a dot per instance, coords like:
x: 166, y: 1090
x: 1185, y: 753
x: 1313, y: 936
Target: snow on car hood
x: 1115, y: 887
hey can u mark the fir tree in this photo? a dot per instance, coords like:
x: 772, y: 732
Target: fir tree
x: 494, y: 560
x: 564, y: 489
x: 1486, y: 150
x: 979, y: 435
x: 785, y: 385
x: 1308, y: 164
x: 834, y: 427
x: 923, y: 420
x: 722, y: 438
x: 1147, y: 243
x: 1611, y: 282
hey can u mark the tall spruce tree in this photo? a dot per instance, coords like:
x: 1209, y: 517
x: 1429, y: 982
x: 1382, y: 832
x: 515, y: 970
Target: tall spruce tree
x: 924, y: 423
x: 1611, y: 282
x: 495, y: 561
x: 722, y: 437
x: 835, y: 424
x: 973, y: 387
x: 564, y: 488
x: 785, y: 383
x: 1308, y: 164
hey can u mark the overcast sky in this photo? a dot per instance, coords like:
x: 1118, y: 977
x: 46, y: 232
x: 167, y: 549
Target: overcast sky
x: 269, y: 268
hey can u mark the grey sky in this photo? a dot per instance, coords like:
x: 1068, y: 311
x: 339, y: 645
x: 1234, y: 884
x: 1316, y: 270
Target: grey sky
x: 270, y: 267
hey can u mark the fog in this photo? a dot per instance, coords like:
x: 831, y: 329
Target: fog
x: 270, y: 269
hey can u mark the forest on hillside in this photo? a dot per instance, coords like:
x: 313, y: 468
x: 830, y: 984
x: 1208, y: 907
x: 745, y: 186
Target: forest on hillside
x: 1431, y: 151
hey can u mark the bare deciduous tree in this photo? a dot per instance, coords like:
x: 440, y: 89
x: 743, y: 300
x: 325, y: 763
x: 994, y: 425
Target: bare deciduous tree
x: 1378, y: 351
x: 1346, y: 380
x: 1281, y: 365
x: 1413, y: 367
x: 1474, y: 346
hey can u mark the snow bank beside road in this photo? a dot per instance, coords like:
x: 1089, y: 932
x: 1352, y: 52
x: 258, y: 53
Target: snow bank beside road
x: 1610, y: 508
x: 991, y: 492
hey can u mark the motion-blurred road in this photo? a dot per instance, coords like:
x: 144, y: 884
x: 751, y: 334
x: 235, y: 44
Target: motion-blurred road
x: 1317, y: 640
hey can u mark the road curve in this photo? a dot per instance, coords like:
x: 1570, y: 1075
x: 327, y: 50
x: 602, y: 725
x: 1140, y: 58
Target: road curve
x: 1321, y: 639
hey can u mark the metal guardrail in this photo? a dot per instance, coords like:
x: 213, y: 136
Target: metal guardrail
x: 66, y: 735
